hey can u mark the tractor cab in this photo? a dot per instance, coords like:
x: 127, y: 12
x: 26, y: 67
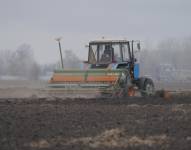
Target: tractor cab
x: 107, y: 52
x: 114, y: 54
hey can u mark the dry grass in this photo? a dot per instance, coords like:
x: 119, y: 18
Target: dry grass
x: 181, y: 108
x: 42, y: 143
x: 113, y: 138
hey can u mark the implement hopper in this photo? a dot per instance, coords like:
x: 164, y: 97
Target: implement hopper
x: 88, y: 81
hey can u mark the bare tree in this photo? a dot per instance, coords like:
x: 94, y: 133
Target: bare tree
x: 19, y: 63
x: 71, y: 61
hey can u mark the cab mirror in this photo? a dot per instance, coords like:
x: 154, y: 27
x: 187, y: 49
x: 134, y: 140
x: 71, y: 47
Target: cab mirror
x: 87, y: 46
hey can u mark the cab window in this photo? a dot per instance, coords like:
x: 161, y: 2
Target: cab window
x: 117, y: 52
x: 125, y: 51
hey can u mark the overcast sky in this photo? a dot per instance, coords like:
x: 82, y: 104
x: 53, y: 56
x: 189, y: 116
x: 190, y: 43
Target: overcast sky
x: 38, y: 22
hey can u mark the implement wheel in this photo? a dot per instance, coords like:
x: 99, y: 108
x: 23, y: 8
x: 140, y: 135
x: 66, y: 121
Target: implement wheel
x: 125, y: 85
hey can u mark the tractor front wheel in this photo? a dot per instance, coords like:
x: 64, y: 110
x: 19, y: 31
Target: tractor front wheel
x: 148, y: 88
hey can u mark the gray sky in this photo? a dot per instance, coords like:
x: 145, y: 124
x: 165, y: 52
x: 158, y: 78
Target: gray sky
x: 38, y: 22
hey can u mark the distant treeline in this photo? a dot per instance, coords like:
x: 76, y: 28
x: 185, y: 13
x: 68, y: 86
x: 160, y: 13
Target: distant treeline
x: 21, y: 62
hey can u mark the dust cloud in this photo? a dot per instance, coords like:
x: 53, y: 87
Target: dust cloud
x: 168, y: 61
x: 71, y: 60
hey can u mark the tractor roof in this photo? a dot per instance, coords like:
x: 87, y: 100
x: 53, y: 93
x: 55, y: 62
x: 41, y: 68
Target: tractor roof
x: 108, y: 41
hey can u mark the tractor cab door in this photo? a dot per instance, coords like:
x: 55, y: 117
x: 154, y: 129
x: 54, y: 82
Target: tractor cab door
x: 100, y: 55
x: 125, y: 49
x: 105, y: 53
x: 121, y: 53
x: 117, y: 53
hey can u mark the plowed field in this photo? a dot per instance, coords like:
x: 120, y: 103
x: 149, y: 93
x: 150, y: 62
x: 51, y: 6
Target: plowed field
x: 56, y: 124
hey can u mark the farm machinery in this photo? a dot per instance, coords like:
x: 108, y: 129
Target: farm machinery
x: 111, y: 69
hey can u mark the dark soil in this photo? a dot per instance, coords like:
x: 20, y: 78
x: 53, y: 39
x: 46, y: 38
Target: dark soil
x: 134, y: 123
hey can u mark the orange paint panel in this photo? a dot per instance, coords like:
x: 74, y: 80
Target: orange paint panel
x: 102, y: 78
x: 62, y: 78
x: 67, y: 78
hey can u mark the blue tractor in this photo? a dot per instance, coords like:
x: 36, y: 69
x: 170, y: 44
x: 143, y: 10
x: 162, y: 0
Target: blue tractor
x: 111, y: 68
x: 120, y: 54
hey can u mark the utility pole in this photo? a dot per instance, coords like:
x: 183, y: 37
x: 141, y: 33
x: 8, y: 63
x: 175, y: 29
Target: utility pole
x: 58, y: 40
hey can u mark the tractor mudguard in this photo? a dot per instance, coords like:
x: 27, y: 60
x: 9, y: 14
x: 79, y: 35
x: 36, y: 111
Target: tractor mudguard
x: 140, y: 82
